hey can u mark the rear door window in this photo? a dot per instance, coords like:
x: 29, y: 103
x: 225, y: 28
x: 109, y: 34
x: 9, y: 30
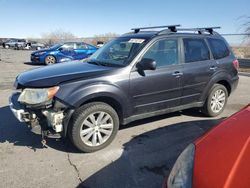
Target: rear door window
x: 218, y: 48
x: 195, y: 50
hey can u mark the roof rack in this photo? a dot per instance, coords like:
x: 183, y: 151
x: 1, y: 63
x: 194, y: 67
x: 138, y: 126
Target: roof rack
x: 171, y: 28
x: 201, y: 30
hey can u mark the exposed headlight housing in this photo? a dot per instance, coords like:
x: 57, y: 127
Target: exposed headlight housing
x: 182, y: 171
x: 37, y: 96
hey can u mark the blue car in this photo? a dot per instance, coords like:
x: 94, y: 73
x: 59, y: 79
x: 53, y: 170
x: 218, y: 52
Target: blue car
x: 63, y: 52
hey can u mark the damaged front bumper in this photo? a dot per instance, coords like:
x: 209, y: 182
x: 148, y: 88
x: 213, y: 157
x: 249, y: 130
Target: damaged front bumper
x: 18, y: 109
x: 50, y: 120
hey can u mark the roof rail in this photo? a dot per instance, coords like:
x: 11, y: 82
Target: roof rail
x: 201, y: 30
x: 172, y: 28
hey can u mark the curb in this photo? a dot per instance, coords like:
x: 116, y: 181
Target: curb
x: 244, y: 74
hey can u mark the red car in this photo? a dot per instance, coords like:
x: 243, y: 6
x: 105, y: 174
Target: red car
x: 219, y: 159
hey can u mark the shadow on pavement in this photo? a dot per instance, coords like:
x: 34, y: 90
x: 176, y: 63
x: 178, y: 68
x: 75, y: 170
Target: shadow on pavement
x: 33, y: 64
x: 148, y: 158
x: 193, y: 112
x: 13, y: 131
x: 145, y: 160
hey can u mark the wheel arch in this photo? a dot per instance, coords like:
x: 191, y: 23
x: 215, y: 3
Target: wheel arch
x: 226, y: 84
x: 221, y: 78
x: 98, y: 92
x: 110, y: 101
x: 114, y: 103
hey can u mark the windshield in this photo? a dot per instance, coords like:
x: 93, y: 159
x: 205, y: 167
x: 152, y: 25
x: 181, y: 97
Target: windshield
x: 118, y: 52
x: 55, y: 46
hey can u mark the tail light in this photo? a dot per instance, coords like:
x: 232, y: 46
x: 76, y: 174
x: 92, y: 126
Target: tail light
x: 236, y: 64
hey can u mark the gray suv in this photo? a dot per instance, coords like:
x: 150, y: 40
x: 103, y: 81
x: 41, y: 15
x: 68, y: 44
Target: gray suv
x: 137, y: 75
x: 15, y: 43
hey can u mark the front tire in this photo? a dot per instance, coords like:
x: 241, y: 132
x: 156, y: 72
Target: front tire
x: 94, y: 126
x: 216, y: 101
x: 50, y: 60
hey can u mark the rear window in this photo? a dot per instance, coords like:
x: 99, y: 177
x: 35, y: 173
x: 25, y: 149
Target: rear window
x: 195, y: 50
x: 218, y: 48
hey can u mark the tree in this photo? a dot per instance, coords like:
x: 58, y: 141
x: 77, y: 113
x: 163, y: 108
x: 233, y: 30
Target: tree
x: 102, y: 37
x: 105, y: 37
x: 246, y: 27
x: 57, y: 36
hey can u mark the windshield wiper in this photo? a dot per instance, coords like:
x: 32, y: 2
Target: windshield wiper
x: 102, y: 63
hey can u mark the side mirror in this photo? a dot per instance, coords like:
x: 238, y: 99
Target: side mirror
x: 60, y: 49
x: 146, y: 64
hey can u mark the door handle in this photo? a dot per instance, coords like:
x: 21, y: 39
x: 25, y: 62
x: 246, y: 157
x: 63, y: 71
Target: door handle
x: 177, y: 73
x: 213, y: 68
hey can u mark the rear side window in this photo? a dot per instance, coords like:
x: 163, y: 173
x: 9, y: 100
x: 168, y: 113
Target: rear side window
x: 81, y: 46
x: 218, y: 48
x: 68, y: 46
x: 195, y: 50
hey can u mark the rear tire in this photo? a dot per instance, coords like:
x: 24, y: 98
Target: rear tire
x: 216, y: 101
x: 94, y: 126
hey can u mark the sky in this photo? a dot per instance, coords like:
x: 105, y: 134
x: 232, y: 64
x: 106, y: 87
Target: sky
x: 86, y: 18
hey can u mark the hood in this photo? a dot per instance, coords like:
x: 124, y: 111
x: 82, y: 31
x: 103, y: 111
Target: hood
x: 43, y: 50
x: 222, y: 155
x: 52, y: 48
x: 55, y: 74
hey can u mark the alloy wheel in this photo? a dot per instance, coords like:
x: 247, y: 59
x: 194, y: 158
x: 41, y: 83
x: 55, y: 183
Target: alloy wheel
x: 50, y: 60
x: 218, y: 100
x: 96, y: 128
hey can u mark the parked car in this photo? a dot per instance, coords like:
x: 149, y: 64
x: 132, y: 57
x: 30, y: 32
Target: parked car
x: 135, y: 76
x: 2, y: 41
x: 20, y: 44
x: 15, y: 43
x: 99, y: 44
x: 8, y: 41
x: 218, y: 159
x: 33, y: 45
x: 63, y: 52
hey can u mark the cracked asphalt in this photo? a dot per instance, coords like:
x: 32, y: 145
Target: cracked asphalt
x: 141, y: 155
